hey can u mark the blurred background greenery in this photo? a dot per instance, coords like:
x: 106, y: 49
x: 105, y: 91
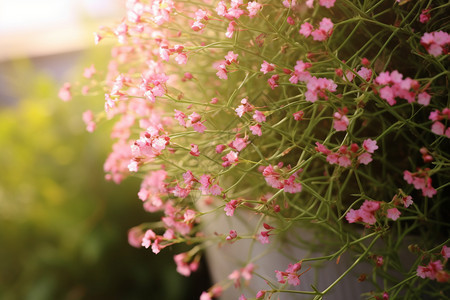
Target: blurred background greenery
x: 63, y: 228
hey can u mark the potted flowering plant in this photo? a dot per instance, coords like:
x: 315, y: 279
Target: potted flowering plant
x: 319, y: 125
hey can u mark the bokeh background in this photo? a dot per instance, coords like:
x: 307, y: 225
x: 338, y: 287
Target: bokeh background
x: 63, y: 228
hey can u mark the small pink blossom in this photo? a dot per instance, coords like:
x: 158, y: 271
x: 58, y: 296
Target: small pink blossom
x: 194, y: 150
x: 340, y: 120
x: 430, y: 271
x: 290, y: 21
x: 273, y: 81
x: 445, y: 252
x: 253, y: 8
x: 327, y: 3
x: 230, y: 29
x: 64, y: 93
x: 267, y: 67
x: 220, y: 148
x: 306, y: 29
x: 89, y: 72
x: 423, y: 98
x: 263, y: 237
x: 240, y: 143
x: 88, y: 119
x: 232, y: 235
x: 298, y: 116
x: 231, y: 57
x: 407, y: 201
x: 230, y: 207
x: 370, y: 145
x: 290, y: 274
x: 393, y: 213
x: 425, y: 16
x: 365, y: 158
x: 205, y: 296
x: 222, y: 71
x: 256, y: 129
x: 435, y: 42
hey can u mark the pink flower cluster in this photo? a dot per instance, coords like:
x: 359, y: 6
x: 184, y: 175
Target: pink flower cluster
x: 437, y: 117
x: 291, y: 274
x: 344, y: 156
x: 425, y: 16
x: 263, y: 236
x: 367, y: 212
x: 274, y: 178
x: 184, y: 265
x: 320, y: 34
x: 222, y: 66
x: 392, y: 85
x: 193, y: 120
x: 147, y: 147
x: 436, y: 43
x: 435, y: 268
x: 421, y: 181
x: 234, y: 12
x: 246, y: 273
x: 316, y: 87
x: 340, y: 119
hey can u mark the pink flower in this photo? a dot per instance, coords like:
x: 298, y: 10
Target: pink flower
x: 260, y: 294
x: 370, y: 145
x: 290, y: 21
x: 220, y: 148
x: 88, y: 119
x: 438, y: 128
x: 263, y: 237
x: 230, y: 30
x: 298, y: 115
x: 365, y: 158
x: 229, y: 159
x: 267, y: 67
x: 222, y: 71
x: 205, y: 296
x: 231, y: 57
x: 292, y: 187
x: 340, y: 120
x: 89, y: 72
x: 180, y: 116
x: 148, y: 237
x: 230, y: 207
x: 407, y: 201
x: 431, y: 270
x: 393, y: 213
x: 253, y: 8
x: 423, y: 98
x: 290, y: 274
x: 435, y: 42
x: 240, y: 143
x: 306, y: 29
x: 365, y: 73
x: 64, y: 93
x: 256, y: 129
x: 327, y: 3
x: 181, y: 58
x: 445, y: 252
x: 232, y: 235
x: 425, y: 16
x: 273, y: 81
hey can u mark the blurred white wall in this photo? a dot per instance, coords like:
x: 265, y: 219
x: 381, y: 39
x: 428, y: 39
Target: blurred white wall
x: 52, y: 34
x: 45, y: 27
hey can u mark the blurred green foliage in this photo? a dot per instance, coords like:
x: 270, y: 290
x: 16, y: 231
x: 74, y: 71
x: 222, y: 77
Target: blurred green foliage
x: 63, y: 228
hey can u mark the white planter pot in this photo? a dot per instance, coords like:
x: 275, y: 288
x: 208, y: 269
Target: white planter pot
x: 277, y: 255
